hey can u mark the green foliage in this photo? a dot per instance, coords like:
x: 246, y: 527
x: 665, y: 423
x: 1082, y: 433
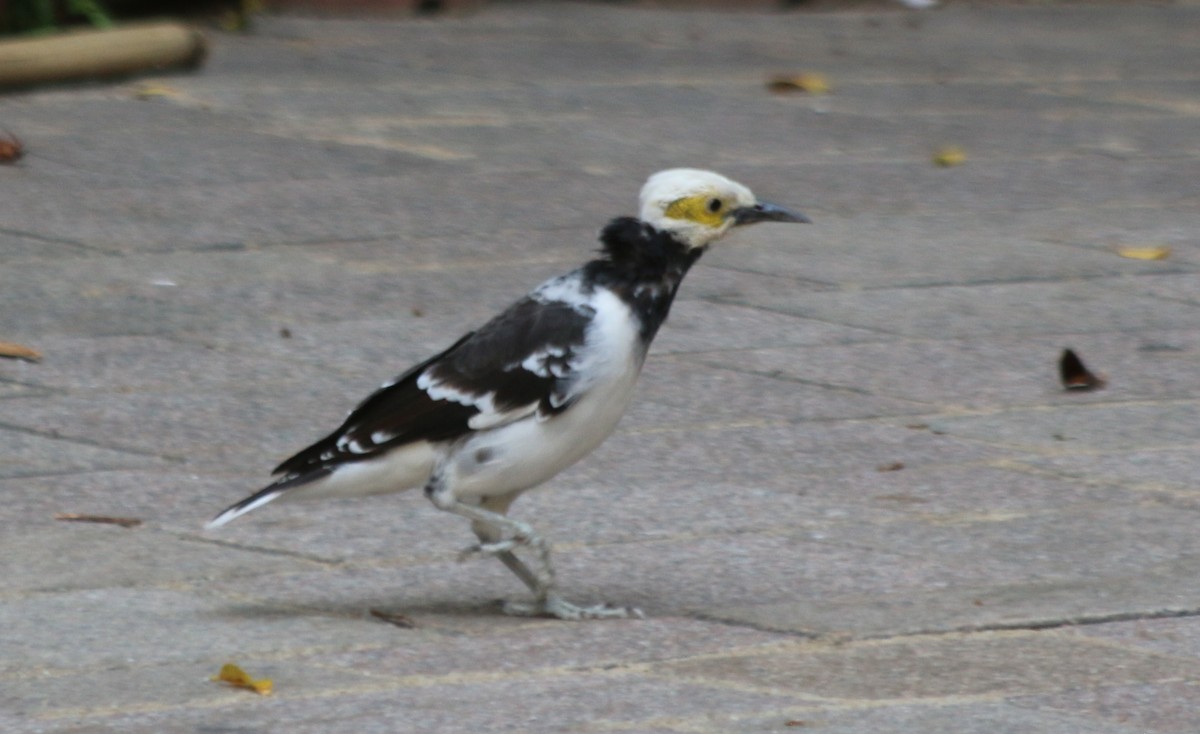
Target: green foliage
x: 44, y: 16
x: 92, y: 10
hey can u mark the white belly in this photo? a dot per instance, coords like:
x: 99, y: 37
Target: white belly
x: 525, y: 453
x: 397, y: 470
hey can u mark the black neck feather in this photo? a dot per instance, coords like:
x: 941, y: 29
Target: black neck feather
x: 644, y: 266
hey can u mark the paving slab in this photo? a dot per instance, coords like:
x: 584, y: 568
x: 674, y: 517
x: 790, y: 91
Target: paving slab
x: 589, y: 702
x: 96, y: 555
x: 40, y: 451
x: 1034, y: 605
x: 1008, y: 663
x: 1067, y: 306
x: 980, y: 373
x: 937, y: 717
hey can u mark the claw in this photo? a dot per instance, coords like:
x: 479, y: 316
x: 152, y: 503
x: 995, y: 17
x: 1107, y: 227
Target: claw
x: 469, y: 552
x: 556, y: 606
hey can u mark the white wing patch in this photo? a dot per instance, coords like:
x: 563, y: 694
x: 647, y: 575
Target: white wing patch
x: 379, y: 437
x: 351, y: 445
x: 609, y: 349
x: 440, y: 390
x: 488, y: 417
x: 483, y: 421
x: 567, y: 290
x: 550, y: 363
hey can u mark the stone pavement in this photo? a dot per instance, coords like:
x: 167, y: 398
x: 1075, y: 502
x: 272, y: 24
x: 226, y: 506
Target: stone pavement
x: 852, y: 497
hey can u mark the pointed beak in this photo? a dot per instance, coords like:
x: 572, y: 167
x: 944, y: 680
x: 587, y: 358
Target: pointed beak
x: 764, y: 212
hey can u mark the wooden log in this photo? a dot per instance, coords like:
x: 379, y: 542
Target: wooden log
x: 91, y: 54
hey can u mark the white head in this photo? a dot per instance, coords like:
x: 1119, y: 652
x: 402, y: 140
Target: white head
x: 698, y: 207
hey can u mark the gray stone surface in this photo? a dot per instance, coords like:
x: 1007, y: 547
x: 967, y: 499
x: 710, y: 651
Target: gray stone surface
x: 852, y: 497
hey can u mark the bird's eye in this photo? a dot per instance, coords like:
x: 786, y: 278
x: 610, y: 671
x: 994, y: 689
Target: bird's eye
x: 714, y: 205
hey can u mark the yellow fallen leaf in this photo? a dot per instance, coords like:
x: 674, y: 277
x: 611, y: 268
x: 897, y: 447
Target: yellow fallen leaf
x: 806, y: 82
x: 1158, y: 252
x: 235, y: 676
x: 19, y: 351
x: 949, y: 155
x: 150, y: 90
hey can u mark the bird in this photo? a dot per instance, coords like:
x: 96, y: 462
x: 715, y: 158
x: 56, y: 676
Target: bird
x: 532, y: 391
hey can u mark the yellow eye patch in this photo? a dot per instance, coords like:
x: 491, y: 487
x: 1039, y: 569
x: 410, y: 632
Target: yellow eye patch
x: 698, y: 209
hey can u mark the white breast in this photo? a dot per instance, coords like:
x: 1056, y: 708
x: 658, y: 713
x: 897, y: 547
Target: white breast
x: 527, y: 452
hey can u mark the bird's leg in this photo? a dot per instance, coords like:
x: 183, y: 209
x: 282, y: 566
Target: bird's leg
x: 523, y: 572
x: 490, y: 527
x: 547, y: 601
x: 490, y: 544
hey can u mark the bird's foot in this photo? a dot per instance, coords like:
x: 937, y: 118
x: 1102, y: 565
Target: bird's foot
x: 555, y: 606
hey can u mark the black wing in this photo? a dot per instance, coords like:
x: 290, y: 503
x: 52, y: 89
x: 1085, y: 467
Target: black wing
x: 521, y: 362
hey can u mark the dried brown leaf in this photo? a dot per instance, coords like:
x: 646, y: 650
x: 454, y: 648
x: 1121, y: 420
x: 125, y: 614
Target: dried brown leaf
x: 11, y: 148
x: 19, y: 351
x: 1077, y: 377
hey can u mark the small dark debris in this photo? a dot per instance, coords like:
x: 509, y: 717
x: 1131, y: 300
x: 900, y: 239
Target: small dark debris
x: 125, y: 522
x: 901, y: 498
x: 892, y: 466
x: 1160, y: 347
x: 393, y: 618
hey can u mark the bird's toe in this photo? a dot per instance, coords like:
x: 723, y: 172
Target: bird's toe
x: 559, y: 608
